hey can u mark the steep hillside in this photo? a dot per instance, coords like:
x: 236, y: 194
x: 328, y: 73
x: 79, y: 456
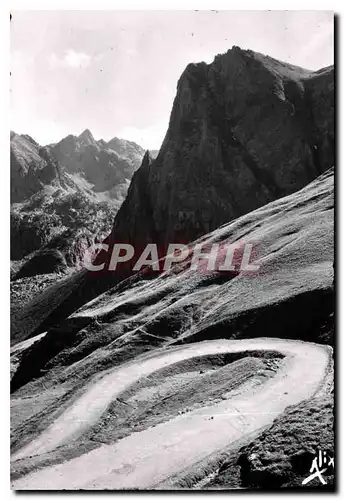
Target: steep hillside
x: 290, y: 296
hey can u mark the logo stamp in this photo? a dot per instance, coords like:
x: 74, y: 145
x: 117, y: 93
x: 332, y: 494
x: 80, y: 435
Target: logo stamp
x: 320, y: 464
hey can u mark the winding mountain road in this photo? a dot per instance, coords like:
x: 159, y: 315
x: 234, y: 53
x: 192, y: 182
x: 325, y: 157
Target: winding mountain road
x: 145, y: 459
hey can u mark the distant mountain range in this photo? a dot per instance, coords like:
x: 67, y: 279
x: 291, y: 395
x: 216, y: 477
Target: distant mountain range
x: 74, y: 163
x: 65, y: 195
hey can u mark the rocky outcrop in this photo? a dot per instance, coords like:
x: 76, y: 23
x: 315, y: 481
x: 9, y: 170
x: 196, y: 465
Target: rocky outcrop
x: 244, y: 130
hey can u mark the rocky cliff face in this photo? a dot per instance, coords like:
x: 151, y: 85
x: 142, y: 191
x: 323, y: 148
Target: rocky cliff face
x: 244, y: 130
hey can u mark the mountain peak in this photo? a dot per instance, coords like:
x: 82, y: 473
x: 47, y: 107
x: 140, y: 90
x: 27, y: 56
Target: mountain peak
x: 147, y: 158
x: 86, y: 136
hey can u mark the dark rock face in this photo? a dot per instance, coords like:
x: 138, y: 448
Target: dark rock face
x: 244, y: 130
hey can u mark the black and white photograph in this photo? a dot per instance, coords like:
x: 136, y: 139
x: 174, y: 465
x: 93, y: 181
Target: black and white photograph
x: 172, y: 250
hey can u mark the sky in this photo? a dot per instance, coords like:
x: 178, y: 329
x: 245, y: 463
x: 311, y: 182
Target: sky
x: 116, y: 72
